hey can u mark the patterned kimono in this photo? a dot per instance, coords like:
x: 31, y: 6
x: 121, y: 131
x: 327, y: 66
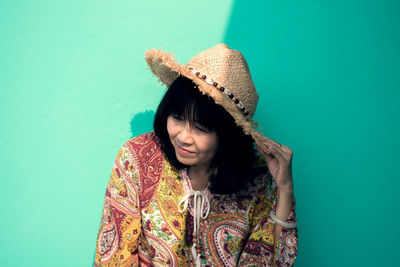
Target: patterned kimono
x: 141, y: 224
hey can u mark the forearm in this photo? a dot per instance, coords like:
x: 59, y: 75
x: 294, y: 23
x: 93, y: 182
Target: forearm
x: 283, y: 207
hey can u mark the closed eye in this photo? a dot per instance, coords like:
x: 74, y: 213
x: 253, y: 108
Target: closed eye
x: 177, y: 117
x: 202, y: 128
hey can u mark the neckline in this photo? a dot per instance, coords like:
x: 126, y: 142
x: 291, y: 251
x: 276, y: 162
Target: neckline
x: 188, y: 184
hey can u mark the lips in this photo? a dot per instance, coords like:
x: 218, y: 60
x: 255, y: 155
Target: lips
x: 184, y: 151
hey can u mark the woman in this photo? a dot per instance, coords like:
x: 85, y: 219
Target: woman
x: 196, y: 192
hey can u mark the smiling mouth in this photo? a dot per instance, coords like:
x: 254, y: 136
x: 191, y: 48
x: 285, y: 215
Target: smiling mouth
x: 184, y: 151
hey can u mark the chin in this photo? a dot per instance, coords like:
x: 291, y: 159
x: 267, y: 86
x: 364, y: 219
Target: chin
x: 185, y: 161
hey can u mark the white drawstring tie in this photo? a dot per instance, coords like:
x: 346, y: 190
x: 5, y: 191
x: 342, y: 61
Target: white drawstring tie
x: 201, y: 208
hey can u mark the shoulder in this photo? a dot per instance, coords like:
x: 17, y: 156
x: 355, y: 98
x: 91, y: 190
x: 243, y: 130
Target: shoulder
x: 149, y: 138
x: 142, y: 145
x: 143, y: 151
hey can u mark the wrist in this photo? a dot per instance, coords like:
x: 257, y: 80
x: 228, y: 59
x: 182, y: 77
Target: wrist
x: 286, y: 189
x: 284, y: 205
x: 285, y: 199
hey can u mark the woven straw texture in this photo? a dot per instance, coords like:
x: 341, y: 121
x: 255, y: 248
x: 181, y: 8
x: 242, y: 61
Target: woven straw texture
x: 223, y: 65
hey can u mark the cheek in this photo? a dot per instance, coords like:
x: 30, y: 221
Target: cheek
x: 170, y: 127
x: 210, y: 145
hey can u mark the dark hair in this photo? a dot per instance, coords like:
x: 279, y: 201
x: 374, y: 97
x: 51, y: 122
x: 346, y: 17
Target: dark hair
x: 235, y: 155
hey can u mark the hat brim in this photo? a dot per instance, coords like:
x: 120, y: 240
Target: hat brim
x: 165, y: 67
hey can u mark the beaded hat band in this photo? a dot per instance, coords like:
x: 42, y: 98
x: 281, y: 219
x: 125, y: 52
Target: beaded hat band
x: 222, y: 89
x: 220, y: 72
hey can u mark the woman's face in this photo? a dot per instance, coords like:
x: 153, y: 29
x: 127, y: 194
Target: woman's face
x: 194, y: 145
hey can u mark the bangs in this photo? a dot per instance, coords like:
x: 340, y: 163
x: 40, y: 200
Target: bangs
x: 191, y: 105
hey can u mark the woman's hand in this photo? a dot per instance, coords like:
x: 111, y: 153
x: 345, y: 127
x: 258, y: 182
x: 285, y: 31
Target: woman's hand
x: 280, y: 164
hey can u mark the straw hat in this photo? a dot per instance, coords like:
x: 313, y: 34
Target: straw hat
x: 221, y: 73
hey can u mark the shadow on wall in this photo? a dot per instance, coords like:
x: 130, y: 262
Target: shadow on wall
x: 142, y: 123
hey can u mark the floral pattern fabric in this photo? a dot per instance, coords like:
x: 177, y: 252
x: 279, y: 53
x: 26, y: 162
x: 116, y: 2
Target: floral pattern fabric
x: 141, y: 224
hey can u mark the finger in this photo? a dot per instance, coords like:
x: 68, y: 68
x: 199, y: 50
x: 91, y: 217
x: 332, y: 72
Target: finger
x: 269, y: 157
x: 277, y: 153
x: 272, y: 154
x: 263, y: 151
x: 285, y: 151
x: 276, y: 145
x: 283, y: 155
x: 271, y: 141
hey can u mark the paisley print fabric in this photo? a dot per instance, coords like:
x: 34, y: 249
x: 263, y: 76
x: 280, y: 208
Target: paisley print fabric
x: 141, y: 224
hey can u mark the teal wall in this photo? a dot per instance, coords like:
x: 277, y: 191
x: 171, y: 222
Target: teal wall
x: 74, y: 87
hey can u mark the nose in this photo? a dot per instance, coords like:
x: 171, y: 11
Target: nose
x: 185, y: 135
